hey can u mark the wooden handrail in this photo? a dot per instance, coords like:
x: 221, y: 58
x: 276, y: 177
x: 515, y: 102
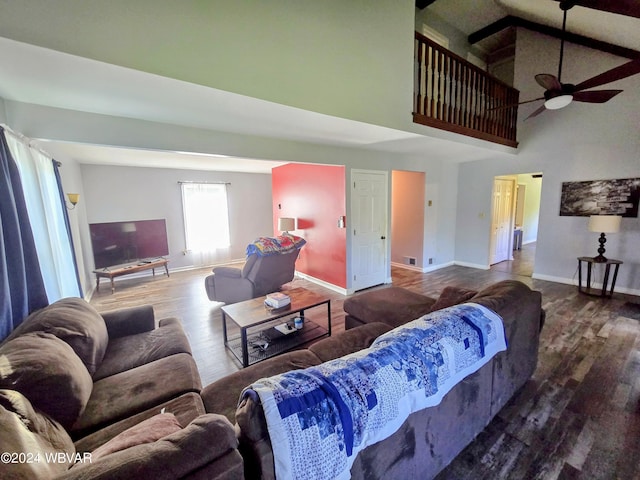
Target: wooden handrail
x: 451, y: 93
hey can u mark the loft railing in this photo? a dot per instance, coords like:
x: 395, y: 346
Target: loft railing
x: 452, y: 94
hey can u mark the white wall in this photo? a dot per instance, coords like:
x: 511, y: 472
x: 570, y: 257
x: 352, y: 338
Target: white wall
x: 580, y: 142
x: 71, y: 177
x: 133, y: 193
x: 59, y: 124
x: 352, y: 59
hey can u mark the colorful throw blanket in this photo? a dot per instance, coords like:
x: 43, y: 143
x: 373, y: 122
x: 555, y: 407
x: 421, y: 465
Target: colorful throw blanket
x: 264, y: 246
x: 319, y: 418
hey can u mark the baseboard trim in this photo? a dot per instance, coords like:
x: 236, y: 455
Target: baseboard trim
x: 413, y: 268
x: 572, y: 281
x: 433, y: 268
x: 471, y: 265
x: 322, y: 283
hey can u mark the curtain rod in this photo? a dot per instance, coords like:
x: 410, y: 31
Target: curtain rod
x: 29, y: 142
x: 207, y: 183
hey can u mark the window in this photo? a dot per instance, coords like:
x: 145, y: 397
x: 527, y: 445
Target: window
x: 46, y: 217
x: 206, y: 220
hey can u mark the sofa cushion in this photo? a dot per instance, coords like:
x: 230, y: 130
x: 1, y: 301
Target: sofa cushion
x: 25, y: 431
x: 74, y: 321
x: 127, y: 393
x: 148, y: 431
x: 178, y: 455
x: 394, y: 306
x: 452, y: 295
x: 132, y: 351
x: 48, y: 372
x: 185, y: 408
x: 348, y: 341
x: 222, y: 395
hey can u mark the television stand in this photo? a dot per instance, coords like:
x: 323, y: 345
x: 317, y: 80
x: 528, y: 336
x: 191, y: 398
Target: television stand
x: 120, y: 270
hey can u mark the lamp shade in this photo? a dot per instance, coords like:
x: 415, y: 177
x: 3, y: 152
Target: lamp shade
x: 604, y: 223
x: 286, y: 223
x: 558, y: 102
x: 73, y: 197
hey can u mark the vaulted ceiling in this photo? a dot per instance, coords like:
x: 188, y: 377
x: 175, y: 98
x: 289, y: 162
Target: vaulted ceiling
x: 612, y: 26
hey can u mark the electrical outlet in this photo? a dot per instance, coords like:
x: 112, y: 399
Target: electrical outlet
x: 430, y: 261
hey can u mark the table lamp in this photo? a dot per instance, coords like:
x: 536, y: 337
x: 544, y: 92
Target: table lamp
x: 603, y: 224
x: 285, y: 224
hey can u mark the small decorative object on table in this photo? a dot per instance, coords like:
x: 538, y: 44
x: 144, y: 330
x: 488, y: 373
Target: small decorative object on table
x: 277, y: 300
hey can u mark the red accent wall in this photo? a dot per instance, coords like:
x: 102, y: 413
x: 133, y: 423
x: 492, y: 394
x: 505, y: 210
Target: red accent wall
x: 315, y: 195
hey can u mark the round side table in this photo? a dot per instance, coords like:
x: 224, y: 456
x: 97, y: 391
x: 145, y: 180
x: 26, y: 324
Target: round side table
x: 590, y: 261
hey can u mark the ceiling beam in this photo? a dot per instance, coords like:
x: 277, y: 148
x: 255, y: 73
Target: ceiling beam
x: 511, y: 21
x: 422, y: 4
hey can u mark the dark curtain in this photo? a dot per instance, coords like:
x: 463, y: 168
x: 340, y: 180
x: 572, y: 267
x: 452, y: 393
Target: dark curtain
x: 21, y: 284
x: 65, y: 214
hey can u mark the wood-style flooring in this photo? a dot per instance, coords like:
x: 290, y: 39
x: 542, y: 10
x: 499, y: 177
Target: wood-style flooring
x: 577, y: 418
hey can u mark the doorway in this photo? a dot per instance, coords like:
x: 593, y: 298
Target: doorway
x: 502, y: 219
x: 526, y: 213
x: 369, y: 200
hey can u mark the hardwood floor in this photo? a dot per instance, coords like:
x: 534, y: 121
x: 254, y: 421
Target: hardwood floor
x: 577, y: 418
x: 522, y: 263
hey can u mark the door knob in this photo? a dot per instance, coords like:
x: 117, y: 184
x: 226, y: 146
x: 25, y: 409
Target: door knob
x: 383, y: 238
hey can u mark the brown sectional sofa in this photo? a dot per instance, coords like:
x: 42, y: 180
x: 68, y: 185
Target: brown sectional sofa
x: 429, y: 439
x: 71, y: 380
x: 105, y: 396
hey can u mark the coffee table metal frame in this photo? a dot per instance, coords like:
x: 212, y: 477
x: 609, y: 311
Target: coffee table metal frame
x: 252, y: 313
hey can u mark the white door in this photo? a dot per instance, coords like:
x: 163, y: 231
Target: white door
x: 369, y: 200
x: 501, y: 220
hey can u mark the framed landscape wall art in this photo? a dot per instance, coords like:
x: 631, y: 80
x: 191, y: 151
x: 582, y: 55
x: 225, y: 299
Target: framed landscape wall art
x: 600, y: 197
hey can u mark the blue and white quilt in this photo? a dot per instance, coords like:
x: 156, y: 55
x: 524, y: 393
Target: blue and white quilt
x: 319, y: 418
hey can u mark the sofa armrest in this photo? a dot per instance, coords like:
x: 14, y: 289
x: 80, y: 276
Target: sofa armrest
x: 230, y: 272
x: 129, y: 321
x: 229, y: 289
x: 205, y: 440
x: 254, y: 439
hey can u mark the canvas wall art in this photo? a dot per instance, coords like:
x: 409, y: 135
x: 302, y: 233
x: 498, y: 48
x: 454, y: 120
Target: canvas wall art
x: 600, y: 197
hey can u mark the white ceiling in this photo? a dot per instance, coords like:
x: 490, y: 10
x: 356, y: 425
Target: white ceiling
x: 112, y: 90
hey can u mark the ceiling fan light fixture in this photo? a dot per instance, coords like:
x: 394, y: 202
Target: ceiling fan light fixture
x: 558, y: 102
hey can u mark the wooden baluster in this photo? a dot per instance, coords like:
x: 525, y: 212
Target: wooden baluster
x: 474, y: 98
x: 449, y: 88
x: 454, y: 100
x: 427, y: 69
x: 418, y: 87
x: 436, y: 92
x: 433, y: 63
x: 465, y: 100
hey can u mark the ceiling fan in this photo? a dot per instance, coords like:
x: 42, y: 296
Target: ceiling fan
x: 558, y: 95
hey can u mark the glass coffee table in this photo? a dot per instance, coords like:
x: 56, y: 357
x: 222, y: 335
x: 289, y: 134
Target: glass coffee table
x: 266, y: 332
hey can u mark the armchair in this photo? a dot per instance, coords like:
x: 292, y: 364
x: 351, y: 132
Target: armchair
x: 270, y: 264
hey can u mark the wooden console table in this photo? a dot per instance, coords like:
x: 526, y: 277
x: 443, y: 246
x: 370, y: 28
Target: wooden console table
x: 120, y: 270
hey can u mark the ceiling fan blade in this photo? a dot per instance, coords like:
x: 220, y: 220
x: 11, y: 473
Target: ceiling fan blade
x: 617, y: 73
x: 595, y: 96
x: 548, y: 81
x: 536, y: 112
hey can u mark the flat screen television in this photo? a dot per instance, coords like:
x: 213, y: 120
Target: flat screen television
x: 116, y: 243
